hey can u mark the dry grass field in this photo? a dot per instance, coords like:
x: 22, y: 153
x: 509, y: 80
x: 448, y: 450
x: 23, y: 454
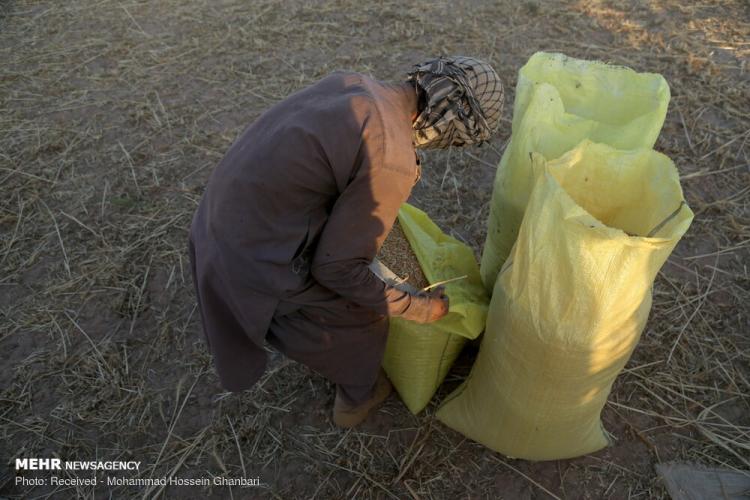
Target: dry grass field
x: 113, y: 114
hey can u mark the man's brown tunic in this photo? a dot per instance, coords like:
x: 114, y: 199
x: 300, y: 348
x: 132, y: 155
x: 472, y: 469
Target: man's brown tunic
x: 289, y: 222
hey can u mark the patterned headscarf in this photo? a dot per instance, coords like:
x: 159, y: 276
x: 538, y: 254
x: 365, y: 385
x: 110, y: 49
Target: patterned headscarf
x: 463, y: 102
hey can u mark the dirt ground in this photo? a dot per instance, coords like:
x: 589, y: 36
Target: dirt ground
x: 112, y: 115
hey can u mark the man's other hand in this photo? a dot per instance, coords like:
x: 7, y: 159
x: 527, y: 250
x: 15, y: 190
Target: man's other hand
x: 427, y: 307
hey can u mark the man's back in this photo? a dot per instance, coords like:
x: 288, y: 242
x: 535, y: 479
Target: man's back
x: 268, y: 200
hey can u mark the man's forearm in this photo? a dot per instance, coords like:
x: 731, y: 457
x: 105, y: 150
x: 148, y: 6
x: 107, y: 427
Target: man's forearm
x: 356, y: 282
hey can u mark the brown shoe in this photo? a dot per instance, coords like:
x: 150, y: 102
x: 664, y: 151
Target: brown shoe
x: 347, y: 416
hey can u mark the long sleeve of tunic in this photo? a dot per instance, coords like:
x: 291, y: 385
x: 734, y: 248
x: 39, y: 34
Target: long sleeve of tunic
x: 361, y: 218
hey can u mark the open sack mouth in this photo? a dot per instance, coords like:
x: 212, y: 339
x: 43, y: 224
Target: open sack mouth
x: 596, y: 91
x: 635, y: 192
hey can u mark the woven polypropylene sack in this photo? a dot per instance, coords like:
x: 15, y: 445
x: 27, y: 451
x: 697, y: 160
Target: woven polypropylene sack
x: 418, y: 356
x: 570, y: 303
x: 559, y: 102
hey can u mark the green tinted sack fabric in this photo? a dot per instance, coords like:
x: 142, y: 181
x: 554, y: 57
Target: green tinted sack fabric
x: 559, y: 102
x: 571, y: 301
x: 418, y: 356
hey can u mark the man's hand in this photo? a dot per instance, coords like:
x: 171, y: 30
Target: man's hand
x: 427, y: 307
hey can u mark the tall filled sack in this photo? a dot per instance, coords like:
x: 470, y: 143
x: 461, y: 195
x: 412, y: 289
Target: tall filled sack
x: 418, y: 356
x: 559, y: 102
x: 571, y: 302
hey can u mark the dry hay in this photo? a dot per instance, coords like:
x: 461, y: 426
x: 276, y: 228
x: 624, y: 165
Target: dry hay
x: 398, y: 256
x: 113, y: 115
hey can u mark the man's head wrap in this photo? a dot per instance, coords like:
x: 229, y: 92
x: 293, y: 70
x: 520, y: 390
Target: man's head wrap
x: 463, y: 102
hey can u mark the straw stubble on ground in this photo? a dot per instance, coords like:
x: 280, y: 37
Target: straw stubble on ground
x: 113, y: 115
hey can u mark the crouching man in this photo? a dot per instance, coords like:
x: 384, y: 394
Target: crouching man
x: 295, y: 212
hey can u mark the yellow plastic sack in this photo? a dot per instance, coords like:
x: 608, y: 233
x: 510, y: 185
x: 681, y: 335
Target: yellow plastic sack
x: 417, y: 357
x: 571, y: 302
x: 559, y: 102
